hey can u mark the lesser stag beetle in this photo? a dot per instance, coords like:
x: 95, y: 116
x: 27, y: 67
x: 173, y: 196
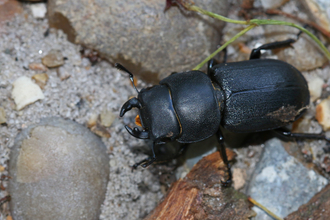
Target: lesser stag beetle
x: 248, y: 96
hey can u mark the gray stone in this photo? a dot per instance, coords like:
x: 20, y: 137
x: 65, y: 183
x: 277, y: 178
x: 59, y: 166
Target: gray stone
x: 281, y: 183
x: 139, y: 34
x: 319, y: 11
x: 59, y: 170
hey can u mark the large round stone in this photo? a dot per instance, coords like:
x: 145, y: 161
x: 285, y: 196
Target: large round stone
x: 59, y: 170
x: 139, y: 34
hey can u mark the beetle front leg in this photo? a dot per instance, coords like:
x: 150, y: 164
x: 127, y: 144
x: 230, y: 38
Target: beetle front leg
x: 213, y: 62
x: 210, y: 64
x: 148, y: 161
x: 224, y: 158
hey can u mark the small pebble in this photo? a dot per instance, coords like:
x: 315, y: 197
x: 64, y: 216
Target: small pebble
x: 326, y: 164
x: 323, y: 113
x: 53, y: 59
x: 239, y: 176
x: 2, y: 115
x: 63, y: 73
x: 251, y: 153
x: 268, y: 4
x: 37, y: 66
x: 39, y: 10
x: 41, y: 79
x: 302, y: 125
x: 107, y: 117
x: 315, y: 88
x: 25, y: 92
x: 92, y: 120
x: 100, y: 131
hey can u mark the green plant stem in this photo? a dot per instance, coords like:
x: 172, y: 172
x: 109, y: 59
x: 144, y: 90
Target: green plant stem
x: 252, y: 23
x: 276, y: 22
x: 224, y: 46
x: 214, y: 15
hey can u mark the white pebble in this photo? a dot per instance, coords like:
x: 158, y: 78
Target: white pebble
x: 315, y: 88
x: 25, y: 92
x: 39, y: 10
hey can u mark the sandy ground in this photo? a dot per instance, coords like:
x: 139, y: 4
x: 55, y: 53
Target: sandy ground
x: 88, y: 91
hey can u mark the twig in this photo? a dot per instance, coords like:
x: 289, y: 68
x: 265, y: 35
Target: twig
x: 309, y: 23
x: 264, y: 209
x: 4, y: 200
x: 224, y: 46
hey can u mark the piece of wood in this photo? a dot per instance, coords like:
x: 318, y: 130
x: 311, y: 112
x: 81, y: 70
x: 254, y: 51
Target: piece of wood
x: 200, y: 195
x: 316, y: 208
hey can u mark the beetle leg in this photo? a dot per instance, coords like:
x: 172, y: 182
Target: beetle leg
x: 224, y: 158
x: 143, y: 163
x: 148, y: 161
x: 224, y: 55
x: 210, y: 64
x: 213, y: 62
x: 302, y: 135
x: 255, y: 54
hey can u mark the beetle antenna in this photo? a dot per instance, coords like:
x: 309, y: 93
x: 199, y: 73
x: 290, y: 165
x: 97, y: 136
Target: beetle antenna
x: 131, y: 77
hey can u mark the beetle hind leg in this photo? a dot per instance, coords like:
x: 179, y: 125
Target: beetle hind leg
x: 320, y: 136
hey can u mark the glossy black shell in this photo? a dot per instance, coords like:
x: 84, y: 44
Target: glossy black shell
x: 261, y: 94
x: 195, y: 103
x: 247, y: 96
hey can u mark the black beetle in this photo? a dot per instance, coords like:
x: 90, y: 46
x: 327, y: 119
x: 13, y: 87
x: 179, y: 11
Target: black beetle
x: 247, y: 96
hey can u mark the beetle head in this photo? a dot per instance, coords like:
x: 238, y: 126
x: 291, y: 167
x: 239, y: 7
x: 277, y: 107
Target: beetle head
x: 131, y: 103
x: 134, y: 102
x: 156, y: 113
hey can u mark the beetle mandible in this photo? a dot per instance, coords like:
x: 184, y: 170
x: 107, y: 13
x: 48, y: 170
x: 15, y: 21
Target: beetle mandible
x: 246, y: 96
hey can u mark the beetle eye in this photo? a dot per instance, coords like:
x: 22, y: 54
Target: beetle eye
x: 138, y: 121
